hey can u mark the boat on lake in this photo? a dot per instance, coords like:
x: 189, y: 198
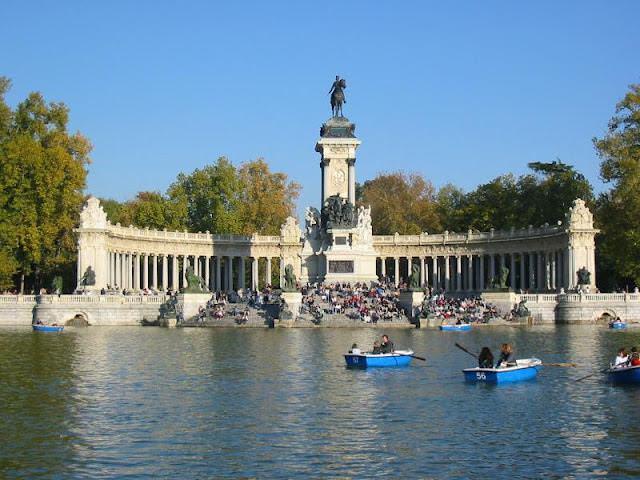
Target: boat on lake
x: 624, y: 374
x: 524, y: 369
x: 618, y: 325
x: 47, y: 328
x: 399, y: 358
x: 462, y: 327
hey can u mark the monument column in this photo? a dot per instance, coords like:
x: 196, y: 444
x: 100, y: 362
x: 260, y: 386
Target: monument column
x: 539, y: 271
x: 383, y: 267
x: 241, y: 284
x: 218, y: 273
x: 254, y: 273
x: 458, y: 273
x: 154, y: 278
x: 165, y: 272
x: 512, y: 273
x: 469, y: 272
x: 207, y: 264
x: 229, y: 273
x: 267, y: 273
x: 118, y: 281
x: 522, y: 279
x: 492, y: 266
x: 145, y: 270
x: 531, y: 272
x: 447, y: 274
x: 396, y: 271
x: 481, y: 272
x: 185, y: 265
x: 423, y: 271
x: 351, y: 162
x: 174, y: 272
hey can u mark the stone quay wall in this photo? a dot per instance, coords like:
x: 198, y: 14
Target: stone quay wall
x: 17, y: 309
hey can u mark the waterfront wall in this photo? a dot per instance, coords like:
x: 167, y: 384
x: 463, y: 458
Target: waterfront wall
x: 17, y: 309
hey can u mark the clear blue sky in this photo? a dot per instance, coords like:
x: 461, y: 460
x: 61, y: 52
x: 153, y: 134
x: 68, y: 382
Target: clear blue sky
x: 459, y: 91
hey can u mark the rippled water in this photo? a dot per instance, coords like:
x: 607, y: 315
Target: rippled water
x: 202, y: 403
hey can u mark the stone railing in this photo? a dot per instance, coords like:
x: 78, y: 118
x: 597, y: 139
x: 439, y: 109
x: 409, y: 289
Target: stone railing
x: 599, y: 297
x: 538, y: 297
x: 446, y: 237
x: 118, y: 299
x: 17, y: 299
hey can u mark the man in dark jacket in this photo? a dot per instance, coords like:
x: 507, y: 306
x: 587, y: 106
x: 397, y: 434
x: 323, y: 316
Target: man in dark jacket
x: 387, y: 345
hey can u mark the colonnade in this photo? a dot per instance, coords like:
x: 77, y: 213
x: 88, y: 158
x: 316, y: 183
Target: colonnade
x: 137, y: 271
x: 544, y: 270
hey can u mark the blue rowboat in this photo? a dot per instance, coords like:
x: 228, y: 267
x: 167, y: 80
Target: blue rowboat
x: 47, y: 328
x: 625, y: 375
x: 399, y: 358
x: 617, y: 325
x: 463, y: 327
x: 524, y: 369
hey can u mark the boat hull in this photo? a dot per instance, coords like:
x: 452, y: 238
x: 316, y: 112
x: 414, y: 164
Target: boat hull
x: 47, y: 328
x: 456, y: 328
x: 618, y: 325
x: 625, y: 375
x: 525, y: 370
x: 368, y: 360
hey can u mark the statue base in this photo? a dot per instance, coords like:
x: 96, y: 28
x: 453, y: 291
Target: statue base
x: 411, y: 302
x: 290, y: 309
x: 189, y: 304
x: 504, y: 300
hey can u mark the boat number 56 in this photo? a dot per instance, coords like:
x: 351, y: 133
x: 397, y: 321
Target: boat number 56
x: 481, y: 376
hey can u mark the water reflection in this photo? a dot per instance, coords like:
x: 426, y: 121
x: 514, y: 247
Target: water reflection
x: 193, y: 403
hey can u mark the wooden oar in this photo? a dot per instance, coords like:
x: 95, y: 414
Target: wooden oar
x: 559, y: 364
x: 465, y: 350
x: 592, y: 374
x: 418, y: 358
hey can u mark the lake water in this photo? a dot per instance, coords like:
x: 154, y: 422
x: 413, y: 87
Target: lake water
x: 253, y: 403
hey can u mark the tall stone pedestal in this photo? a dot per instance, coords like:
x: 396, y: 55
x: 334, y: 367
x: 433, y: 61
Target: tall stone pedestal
x: 189, y: 304
x: 411, y: 302
x: 503, y: 300
x: 291, y: 308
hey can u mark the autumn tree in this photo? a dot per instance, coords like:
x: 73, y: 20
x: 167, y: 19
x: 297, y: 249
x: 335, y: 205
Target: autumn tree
x: 42, y: 177
x: 400, y: 202
x: 618, y: 210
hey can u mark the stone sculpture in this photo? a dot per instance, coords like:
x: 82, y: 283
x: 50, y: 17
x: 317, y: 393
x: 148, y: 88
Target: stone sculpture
x: 414, y: 278
x: 89, y: 277
x: 337, y: 96
x: 195, y: 284
x: 337, y: 213
x: 584, y: 276
x: 289, y: 279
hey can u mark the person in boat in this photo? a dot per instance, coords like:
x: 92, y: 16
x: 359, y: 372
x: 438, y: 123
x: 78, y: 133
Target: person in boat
x: 354, y: 349
x: 506, y: 358
x: 485, y: 359
x: 622, y: 359
x: 376, y: 348
x: 635, y: 357
x: 387, y: 345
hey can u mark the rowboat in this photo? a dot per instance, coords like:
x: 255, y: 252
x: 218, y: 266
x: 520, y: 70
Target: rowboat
x: 399, y: 358
x: 625, y: 374
x: 47, y: 328
x: 463, y: 327
x: 617, y: 325
x: 524, y: 369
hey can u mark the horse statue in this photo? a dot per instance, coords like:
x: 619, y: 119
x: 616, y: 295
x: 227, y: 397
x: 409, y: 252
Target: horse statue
x: 337, y: 96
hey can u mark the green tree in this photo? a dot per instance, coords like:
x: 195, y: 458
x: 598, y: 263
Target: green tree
x: 618, y: 210
x: 152, y: 210
x: 42, y: 176
x: 400, y: 202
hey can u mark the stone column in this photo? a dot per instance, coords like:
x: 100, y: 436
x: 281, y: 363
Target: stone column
x: 241, y: 285
x: 532, y: 284
x: 325, y: 186
x: 196, y: 265
x: 522, y: 279
x: 165, y: 272
x: 136, y: 271
x: 281, y: 272
x: 481, y: 271
x: 396, y: 271
x: 512, y: 273
x: 207, y: 277
x: 423, y: 271
x: 145, y: 270
x: 154, y: 277
x: 229, y: 273
x: 547, y: 270
x: 434, y: 272
x: 447, y: 274
x: 383, y: 267
x: 492, y: 266
x: 219, y: 273
x: 458, y: 273
x: 185, y: 265
x: 352, y: 180
x: 174, y: 274
x: 254, y: 273
x: 267, y: 273
x: 539, y: 274
x: 130, y: 271
x: 469, y: 272
x: 118, y: 280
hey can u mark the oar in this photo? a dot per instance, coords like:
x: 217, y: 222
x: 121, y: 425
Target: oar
x: 559, y: 364
x: 418, y: 358
x: 592, y: 374
x: 465, y: 350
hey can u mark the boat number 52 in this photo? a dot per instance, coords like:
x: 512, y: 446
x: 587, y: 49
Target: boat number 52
x: 481, y: 376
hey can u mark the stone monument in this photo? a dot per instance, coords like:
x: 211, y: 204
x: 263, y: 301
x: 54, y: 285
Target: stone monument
x: 412, y: 297
x: 291, y: 297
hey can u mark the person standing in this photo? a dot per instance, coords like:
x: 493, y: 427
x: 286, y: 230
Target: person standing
x: 386, y: 345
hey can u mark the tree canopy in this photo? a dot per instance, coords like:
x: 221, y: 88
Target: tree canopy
x: 42, y: 177
x: 618, y: 210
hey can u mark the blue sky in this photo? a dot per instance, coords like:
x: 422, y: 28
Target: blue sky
x: 459, y: 91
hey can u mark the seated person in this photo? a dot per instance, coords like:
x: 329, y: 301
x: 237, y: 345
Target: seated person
x: 354, y: 349
x: 387, y: 345
x: 376, y: 348
x: 506, y: 358
x: 635, y: 357
x: 485, y: 359
x: 622, y: 359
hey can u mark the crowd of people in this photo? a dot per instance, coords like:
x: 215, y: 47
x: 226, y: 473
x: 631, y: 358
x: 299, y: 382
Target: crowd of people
x: 455, y: 310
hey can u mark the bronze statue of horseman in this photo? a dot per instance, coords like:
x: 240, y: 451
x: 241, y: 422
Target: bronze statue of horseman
x: 337, y: 96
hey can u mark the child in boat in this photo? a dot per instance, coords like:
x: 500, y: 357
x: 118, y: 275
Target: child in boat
x: 354, y: 349
x: 506, y: 356
x: 485, y: 359
x: 622, y: 359
x: 635, y: 357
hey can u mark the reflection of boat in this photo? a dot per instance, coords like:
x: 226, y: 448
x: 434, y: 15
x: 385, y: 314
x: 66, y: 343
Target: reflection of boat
x: 47, y: 328
x: 463, y: 327
x: 618, y: 325
x: 524, y: 369
x: 399, y: 358
x: 629, y: 375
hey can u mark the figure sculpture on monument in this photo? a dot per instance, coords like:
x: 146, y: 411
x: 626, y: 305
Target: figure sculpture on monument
x: 337, y: 96
x: 312, y: 222
x: 584, y: 276
x: 414, y: 278
x: 89, y: 277
x: 289, y: 279
x: 195, y: 284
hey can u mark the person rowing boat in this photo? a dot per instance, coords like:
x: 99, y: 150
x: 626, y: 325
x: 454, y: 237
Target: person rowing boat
x: 507, y: 358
